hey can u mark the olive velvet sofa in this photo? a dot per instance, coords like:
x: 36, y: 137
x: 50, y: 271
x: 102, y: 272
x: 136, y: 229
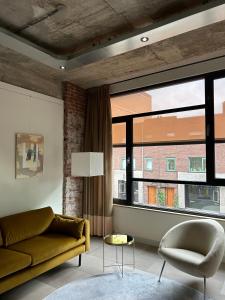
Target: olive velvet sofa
x: 36, y: 241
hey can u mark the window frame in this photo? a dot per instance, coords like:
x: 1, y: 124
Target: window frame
x: 145, y: 164
x: 202, y: 163
x: 209, y: 141
x: 167, y: 164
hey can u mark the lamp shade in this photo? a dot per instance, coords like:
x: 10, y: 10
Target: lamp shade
x: 87, y: 164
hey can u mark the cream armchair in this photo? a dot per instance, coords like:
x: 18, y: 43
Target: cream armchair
x: 195, y: 247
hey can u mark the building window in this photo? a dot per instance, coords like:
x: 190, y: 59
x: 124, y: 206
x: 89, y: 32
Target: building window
x: 170, y: 164
x: 203, y: 197
x: 123, y: 164
x: 135, y: 190
x: 134, y: 164
x: 122, y: 189
x: 148, y: 164
x: 197, y: 164
x: 118, y: 174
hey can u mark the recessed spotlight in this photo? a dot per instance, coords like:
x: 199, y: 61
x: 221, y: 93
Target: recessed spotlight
x: 144, y: 39
x: 62, y: 67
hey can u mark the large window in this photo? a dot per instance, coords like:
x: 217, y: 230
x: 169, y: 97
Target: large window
x: 173, y: 148
x: 219, y: 136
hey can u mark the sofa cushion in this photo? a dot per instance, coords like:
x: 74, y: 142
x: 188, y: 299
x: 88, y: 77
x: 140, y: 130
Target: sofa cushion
x: 46, y: 246
x: 12, y: 261
x: 69, y: 227
x: 22, y: 226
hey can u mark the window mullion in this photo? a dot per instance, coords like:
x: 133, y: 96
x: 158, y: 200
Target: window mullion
x: 209, y: 127
x: 129, y: 158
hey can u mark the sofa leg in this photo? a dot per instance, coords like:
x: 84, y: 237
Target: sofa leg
x: 79, y: 260
x: 162, y: 270
x: 204, y: 288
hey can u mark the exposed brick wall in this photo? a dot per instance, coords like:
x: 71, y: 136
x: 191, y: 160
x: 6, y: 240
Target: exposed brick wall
x: 74, y: 117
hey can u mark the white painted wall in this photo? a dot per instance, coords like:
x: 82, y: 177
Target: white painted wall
x: 29, y: 112
x: 148, y: 225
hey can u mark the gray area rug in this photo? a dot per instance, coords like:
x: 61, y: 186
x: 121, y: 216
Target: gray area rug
x: 134, y: 285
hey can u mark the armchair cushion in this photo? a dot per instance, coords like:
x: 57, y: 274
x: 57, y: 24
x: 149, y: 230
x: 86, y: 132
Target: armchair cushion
x: 184, y: 259
x: 69, y: 227
x: 188, y: 235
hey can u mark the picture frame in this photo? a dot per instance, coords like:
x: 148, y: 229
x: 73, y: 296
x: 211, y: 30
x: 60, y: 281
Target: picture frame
x: 29, y: 155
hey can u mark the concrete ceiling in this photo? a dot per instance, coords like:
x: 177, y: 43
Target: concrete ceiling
x: 84, y: 24
x: 81, y: 24
x: 188, y: 48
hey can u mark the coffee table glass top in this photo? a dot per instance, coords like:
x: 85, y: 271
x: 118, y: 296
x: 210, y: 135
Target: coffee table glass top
x: 118, y: 239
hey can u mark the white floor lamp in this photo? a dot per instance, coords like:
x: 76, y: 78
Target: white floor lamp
x: 88, y: 164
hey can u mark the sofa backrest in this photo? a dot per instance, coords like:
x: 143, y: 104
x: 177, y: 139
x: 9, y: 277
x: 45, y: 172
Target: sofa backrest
x: 22, y: 226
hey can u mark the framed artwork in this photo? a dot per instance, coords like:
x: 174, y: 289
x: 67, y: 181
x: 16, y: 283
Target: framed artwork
x: 29, y: 155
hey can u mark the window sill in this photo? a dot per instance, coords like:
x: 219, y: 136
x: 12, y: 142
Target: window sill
x: 190, y: 213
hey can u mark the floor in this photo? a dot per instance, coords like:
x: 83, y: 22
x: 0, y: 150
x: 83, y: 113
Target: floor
x: 146, y: 260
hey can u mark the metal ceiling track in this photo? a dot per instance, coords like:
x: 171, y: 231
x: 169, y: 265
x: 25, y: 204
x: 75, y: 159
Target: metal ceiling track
x: 154, y: 33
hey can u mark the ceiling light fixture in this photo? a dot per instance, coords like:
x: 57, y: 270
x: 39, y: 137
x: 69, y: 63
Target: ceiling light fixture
x: 144, y: 39
x: 62, y: 67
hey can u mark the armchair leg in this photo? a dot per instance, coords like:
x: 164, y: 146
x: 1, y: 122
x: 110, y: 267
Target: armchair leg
x: 79, y: 260
x: 204, y: 288
x: 162, y: 270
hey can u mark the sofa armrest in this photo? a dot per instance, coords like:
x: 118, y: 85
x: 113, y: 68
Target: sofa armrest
x: 86, y: 231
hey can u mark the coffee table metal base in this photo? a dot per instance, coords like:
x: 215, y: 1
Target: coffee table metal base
x: 118, y: 240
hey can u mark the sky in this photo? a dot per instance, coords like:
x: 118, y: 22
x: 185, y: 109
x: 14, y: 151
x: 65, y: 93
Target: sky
x: 186, y: 94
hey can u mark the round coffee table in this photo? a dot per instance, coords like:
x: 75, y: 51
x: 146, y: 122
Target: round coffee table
x: 118, y: 240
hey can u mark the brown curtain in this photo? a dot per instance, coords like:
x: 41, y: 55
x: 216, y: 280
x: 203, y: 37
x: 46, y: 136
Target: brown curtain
x: 98, y: 138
